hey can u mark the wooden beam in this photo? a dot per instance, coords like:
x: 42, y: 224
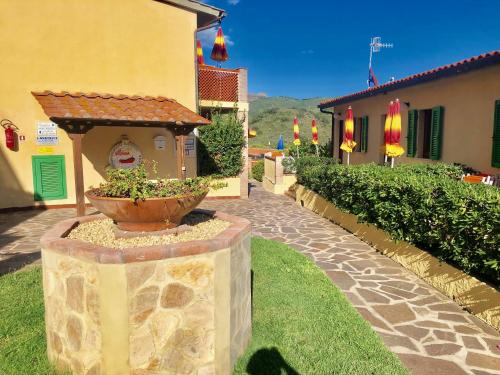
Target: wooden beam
x: 180, y: 140
x: 78, y: 169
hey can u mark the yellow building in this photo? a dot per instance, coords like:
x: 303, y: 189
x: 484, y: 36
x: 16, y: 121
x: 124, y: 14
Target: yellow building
x: 141, y: 48
x: 449, y: 114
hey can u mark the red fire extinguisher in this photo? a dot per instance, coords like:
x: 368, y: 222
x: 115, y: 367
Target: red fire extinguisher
x: 10, y: 134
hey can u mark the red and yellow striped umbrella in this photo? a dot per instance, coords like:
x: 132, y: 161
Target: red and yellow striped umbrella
x: 199, y: 53
x: 394, y: 150
x: 314, y: 129
x: 296, y: 134
x: 348, y: 143
x: 387, y: 128
x: 219, y: 52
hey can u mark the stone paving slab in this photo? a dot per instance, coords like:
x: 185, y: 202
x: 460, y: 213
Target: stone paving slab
x: 429, y: 332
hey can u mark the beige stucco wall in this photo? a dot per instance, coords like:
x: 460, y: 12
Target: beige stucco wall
x: 140, y: 47
x: 231, y: 190
x: 274, y: 179
x: 468, y: 101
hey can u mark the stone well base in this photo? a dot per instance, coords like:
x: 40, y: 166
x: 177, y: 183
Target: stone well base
x: 177, y: 309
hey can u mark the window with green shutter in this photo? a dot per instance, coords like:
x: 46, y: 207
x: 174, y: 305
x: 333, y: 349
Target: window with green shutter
x: 364, y: 134
x: 49, y: 177
x: 495, y: 156
x: 411, y: 139
x: 436, y: 140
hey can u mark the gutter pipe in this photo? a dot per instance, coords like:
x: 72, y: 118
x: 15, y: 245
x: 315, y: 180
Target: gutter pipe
x: 322, y: 110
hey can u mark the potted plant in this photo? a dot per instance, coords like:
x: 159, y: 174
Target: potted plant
x: 137, y: 203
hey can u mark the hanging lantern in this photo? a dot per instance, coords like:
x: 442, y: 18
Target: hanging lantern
x: 219, y: 52
x: 314, y: 129
x: 296, y: 134
x: 199, y: 53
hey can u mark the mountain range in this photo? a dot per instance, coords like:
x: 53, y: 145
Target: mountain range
x: 272, y: 116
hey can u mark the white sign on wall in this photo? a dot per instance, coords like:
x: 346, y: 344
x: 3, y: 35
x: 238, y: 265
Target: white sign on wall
x: 46, y: 134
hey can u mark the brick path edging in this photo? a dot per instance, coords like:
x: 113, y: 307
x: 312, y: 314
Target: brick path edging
x: 475, y: 296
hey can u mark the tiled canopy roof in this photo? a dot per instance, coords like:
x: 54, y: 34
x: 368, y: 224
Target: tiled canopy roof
x: 459, y: 67
x: 218, y: 84
x: 159, y: 110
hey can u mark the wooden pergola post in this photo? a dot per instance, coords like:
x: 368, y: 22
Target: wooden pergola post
x: 76, y: 132
x: 78, y: 170
x: 180, y: 142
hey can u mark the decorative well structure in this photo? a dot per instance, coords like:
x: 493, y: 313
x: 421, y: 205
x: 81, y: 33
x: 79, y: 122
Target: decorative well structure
x: 183, y: 308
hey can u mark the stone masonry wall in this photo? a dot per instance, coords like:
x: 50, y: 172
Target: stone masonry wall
x: 171, y: 319
x: 241, y: 299
x: 179, y: 309
x: 71, y: 293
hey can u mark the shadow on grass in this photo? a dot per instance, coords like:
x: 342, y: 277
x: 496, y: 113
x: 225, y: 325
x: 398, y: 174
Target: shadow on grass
x: 17, y: 261
x: 269, y: 362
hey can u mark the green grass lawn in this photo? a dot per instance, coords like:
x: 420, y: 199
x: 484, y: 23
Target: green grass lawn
x: 302, y: 324
x: 22, y: 331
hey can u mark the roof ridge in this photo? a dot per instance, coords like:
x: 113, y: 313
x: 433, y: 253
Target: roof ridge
x: 93, y: 95
x: 411, y: 77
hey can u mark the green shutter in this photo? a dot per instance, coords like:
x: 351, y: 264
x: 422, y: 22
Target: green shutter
x: 436, y: 140
x: 411, y: 139
x: 49, y: 177
x: 495, y: 157
x: 364, y: 134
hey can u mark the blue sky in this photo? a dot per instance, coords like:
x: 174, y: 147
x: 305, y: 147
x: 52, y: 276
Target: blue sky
x: 319, y: 48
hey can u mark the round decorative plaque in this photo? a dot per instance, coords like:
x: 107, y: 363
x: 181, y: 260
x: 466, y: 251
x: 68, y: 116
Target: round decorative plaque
x: 125, y: 154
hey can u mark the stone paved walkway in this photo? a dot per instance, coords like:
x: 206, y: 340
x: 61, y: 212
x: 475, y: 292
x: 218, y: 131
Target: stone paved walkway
x: 429, y: 332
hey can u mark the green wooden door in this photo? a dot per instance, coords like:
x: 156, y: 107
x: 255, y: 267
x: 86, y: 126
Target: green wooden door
x: 364, y: 134
x: 49, y: 177
x: 436, y: 141
x: 411, y: 139
x: 495, y: 156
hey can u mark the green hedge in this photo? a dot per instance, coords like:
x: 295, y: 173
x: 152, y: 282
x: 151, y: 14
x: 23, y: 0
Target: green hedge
x: 258, y: 170
x: 220, y: 146
x: 422, y: 204
x: 306, y: 148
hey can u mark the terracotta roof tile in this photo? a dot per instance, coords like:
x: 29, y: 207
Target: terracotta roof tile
x: 218, y: 84
x: 439, y: 72
x: 116, y: 108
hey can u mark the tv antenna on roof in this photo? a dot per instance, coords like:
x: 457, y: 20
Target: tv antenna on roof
x: 375, y: 46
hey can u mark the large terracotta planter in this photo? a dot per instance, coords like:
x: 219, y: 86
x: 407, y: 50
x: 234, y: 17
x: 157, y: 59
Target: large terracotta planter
x: 148, y: 215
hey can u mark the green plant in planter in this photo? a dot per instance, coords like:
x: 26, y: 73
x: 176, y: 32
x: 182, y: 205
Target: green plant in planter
x: 220, y: 146
x: 135, y: 183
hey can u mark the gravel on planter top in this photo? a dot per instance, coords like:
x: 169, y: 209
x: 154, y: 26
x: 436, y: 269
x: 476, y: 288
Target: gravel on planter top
x: 102, y: 232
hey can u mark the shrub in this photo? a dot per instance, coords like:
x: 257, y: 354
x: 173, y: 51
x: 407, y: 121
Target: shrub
x: 422, y: 204
x: 134, y: 183
x: 306, y: 148
x: 220, y: 146
x: 258, y: 170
